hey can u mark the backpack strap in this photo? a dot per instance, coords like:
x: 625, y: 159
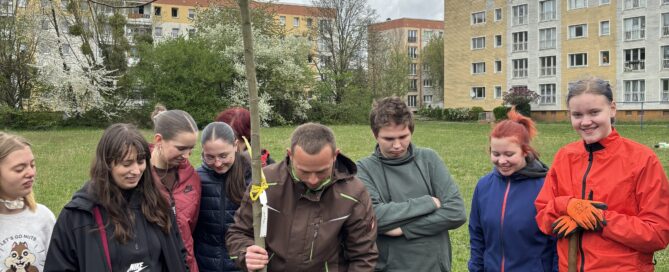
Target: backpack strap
x: 103, y: 234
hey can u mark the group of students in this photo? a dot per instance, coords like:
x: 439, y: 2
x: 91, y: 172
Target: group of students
x: 390, y: 211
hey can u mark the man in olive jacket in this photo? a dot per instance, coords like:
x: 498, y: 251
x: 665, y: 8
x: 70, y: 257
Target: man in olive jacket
x: 320, y: 215
x: 415, y: 199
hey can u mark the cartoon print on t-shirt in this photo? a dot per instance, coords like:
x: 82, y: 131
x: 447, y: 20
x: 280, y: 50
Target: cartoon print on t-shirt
x: 20, y: 259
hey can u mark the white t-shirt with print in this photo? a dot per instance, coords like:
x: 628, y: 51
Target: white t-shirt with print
x: 24, y: 239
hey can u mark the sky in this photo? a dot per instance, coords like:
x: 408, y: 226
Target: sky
x: 395, y: 9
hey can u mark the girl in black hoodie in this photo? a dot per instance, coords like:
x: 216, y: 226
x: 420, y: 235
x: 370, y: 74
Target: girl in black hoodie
x: 118, y: 221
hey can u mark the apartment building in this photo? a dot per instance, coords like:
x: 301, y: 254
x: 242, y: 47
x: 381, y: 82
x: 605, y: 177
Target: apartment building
x: 493, y: 45
x: 413, y: 35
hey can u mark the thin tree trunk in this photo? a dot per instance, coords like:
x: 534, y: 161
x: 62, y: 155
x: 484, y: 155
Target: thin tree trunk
x: 255, y: 119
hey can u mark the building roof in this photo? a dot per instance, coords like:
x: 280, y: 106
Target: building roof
x: 279, y: 8
x: 407, y: 23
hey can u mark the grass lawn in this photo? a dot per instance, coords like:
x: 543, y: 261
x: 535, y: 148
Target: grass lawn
x: 64, y: 156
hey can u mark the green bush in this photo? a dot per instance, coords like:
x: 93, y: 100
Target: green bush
x: 457, y: 114
x: 500, y: 112
x: 474, y: 113
x: 35, y: 120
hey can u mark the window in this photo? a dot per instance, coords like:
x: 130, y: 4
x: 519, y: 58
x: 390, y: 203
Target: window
x: 426, y: 68
x: 578, y: 31
x: 604, y: 28
x: 478, y: 68
x: 191, y: 32
x: 547, y: 38
x: 478, y: 92
x: 427, y: 35
x: 412, y: 52
x: 631, y: 4
x: 665, y: 2
x: 634, y: 59
x: 604, y: 58
x: 498, y: 92
x: 282, y: 20
x: 191, y: 14
x: 520, y: 68
x: 547, y: 92
x: 498, y: 14
x: 664, y: 93
x: 157, y: 11
x: 296, y: 22
x: 412, y: 69
x: 578, y: 60
x: 310, y: 22
x: 665, y: 57
x: 498, y: 66
x: 427, y: 83
x: 520, y: 14
x: 427, y: 99
x: 520, y: 41
x: 604, y: 2
x: 547, y: 10
x: 478, y: 18
x: 413, y: 84
x: 175, y: 12
x: 634, y: 90
x: 635, y: 28
x: 411, y: 101
x: 577, y: 4
x: 478, y: 43
x: 412, y: 36
x: 158, y: 31
x: 175, y: 32
x: 548, y: 66
x: 498, y: 41
x: 665, y: 24
x: 22, y: 3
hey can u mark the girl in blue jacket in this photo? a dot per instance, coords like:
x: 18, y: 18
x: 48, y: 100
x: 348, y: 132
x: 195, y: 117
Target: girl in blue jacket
x: 224, y: 175
x: 503, y: 234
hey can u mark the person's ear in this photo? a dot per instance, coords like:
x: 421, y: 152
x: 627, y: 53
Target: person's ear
x: 336, y: 153
x: 288, y: 152
x: 157, y: 139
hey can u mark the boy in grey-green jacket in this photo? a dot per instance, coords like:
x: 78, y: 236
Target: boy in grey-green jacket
x: 415, y: 199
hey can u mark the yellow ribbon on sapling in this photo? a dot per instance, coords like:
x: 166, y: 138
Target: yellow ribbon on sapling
x: 256, y: 190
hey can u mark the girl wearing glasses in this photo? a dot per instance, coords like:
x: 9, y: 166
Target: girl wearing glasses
x: 225, y: 174
x: 174, y: 139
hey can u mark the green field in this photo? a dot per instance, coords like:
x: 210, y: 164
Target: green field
x: 64, y: 156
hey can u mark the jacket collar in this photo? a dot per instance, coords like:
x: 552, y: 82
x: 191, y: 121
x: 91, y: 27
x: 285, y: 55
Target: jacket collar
x: 608, y: 142
x: 534, y: 169
x: 344, y: 169
x: 407, y: 158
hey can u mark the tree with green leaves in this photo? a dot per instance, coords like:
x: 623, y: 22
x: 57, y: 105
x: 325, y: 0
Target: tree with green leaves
x: 433, y: 59
x: 387, y: 63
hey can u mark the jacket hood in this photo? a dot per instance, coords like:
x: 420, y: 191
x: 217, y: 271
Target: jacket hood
x: 82, y: 200
x: 534, y: 169
x: 408, y: 157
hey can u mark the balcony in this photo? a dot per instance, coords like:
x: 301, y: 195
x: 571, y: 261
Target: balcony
x: 665, y: 31
x: 548, y: 71
x: 548, y: 44
x: 522, y: 46
x: 665, y: 64
x: 635, y: 65
x: 519, y: 73
x: 547, y: 16
x: 139, y: 18
x: 520, y: 20
x: 412, y: 39
x: 635, y: 34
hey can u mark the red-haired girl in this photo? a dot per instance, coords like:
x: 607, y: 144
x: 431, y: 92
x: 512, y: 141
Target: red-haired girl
x: 502, y: 230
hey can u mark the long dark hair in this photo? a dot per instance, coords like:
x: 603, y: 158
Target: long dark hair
x: 117, y: 141
x: 235, y: 184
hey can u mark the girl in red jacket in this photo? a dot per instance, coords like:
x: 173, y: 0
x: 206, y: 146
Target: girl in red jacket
x: 609, y: 192
x: 174, y: 140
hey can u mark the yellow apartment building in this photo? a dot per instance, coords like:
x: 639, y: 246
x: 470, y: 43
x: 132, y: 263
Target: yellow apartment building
x: 491, y: 46
x: 414, y: 35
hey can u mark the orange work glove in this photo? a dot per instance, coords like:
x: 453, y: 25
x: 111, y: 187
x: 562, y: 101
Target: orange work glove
x: 564, y: 226
x: 587, y: 213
